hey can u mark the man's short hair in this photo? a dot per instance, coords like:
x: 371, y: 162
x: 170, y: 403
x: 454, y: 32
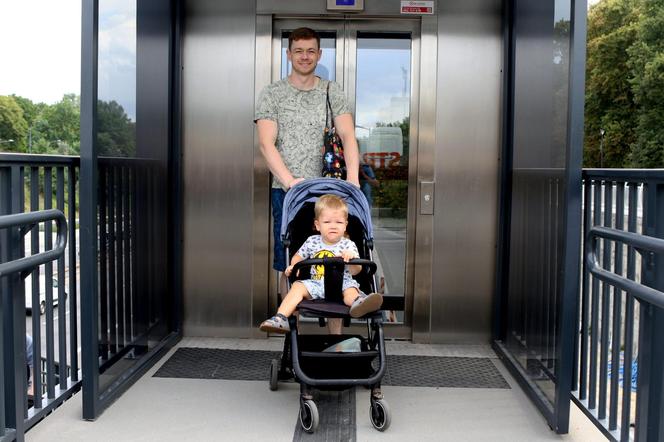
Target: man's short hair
x: 303, y: 34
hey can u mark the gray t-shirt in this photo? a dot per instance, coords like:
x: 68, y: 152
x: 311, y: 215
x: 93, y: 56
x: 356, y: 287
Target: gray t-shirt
x: 300, y: 118
x: 314, y: 247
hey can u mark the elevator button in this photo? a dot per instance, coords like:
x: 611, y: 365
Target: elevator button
x: 426, y: 199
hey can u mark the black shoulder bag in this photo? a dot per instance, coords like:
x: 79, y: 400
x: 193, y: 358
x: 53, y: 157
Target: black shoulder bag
x: 334, y: 164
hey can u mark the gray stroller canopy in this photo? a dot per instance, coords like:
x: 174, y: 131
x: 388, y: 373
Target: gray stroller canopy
x: 310, y: 190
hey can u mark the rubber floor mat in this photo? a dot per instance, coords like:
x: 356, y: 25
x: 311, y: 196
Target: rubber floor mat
x: 408, y: 371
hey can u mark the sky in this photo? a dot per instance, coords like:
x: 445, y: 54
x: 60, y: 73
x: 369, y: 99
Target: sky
x: 40, y: 52
x: 40, y: 55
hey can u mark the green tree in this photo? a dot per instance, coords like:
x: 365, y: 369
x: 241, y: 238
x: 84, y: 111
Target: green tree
x: 12, y: 125
x: 116, y: 133
x: 60, y: 125
x: 610, y: 105
x: 33, y: 114
x: 647, y: 72
x: 31, y: 110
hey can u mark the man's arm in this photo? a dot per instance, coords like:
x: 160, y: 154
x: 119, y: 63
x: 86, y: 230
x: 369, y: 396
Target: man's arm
x: 346, y: 130
x: 267, y: 137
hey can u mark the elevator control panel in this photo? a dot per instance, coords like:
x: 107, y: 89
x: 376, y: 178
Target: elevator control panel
x: 426, y: 197
x: 345, y: 5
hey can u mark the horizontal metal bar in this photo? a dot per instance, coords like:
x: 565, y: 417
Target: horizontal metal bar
x: 642, y: 243
x: 22, y: 219
x: 33, y: 160
x: 35, y: 415
x: 624, y: 174
x: 582, y: 404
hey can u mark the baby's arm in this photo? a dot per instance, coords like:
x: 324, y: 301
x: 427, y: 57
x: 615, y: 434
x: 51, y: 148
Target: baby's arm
x: 349, y: 254
x: 296, y: 258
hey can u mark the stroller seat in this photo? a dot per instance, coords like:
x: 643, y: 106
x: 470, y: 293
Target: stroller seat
x: 321, y: 308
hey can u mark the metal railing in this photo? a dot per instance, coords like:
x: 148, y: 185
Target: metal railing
x: 127, y: 230
x: 13, y: 268
x: 619, y: 347
x: 35, y: 183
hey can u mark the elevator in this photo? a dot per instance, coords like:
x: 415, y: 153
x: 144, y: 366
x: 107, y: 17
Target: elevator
x: 426, y: 97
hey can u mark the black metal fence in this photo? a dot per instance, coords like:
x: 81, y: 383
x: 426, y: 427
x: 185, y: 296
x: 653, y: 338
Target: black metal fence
x: 41, y: 305
x: 16, y: 413
x: 121, y: 237
x: 620, y: 341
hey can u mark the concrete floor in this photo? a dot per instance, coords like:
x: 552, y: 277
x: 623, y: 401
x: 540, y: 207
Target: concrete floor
x: 162, y: 409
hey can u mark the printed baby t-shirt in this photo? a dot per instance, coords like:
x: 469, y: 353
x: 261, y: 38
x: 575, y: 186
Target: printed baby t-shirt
x: 314, y: 247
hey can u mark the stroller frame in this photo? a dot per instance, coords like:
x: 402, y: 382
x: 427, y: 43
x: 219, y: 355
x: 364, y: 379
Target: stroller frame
x: 302, y: 354
x: 303, y: 358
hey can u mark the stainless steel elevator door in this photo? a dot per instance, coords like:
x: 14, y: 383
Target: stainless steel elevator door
x: 376, y: 62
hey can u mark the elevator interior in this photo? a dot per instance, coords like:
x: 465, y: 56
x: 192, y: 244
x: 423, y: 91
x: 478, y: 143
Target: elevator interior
x: 426, y: 93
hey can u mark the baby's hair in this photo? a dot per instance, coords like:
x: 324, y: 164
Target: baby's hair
x: 332, y: 202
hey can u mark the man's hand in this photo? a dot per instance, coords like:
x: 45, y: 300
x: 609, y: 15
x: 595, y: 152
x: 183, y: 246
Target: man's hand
x: 355, y: 182
x: 294, y: 181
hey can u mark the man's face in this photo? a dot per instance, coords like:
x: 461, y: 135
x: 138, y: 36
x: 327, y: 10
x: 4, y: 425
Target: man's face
x: 304, y: 55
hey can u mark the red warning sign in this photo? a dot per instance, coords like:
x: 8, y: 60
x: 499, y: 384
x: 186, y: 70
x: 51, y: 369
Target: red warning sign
x: 417, y: 7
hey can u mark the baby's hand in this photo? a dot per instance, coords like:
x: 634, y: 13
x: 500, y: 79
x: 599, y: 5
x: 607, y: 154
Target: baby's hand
x: 288, y: 270
x: 347, y: 255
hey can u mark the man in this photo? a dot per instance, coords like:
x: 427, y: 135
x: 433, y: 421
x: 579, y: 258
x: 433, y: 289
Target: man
x: 290, y: 118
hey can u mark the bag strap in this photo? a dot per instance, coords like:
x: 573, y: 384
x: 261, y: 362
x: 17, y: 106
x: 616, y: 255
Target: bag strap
x: 329, y: 122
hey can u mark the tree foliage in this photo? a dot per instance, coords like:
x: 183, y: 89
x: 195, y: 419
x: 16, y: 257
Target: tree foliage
x: 54, y: 129
x: 647, y: 68
x: 116, y: 133
x: 42, y: 128
x: 13, y: 127
x: 624, y: 125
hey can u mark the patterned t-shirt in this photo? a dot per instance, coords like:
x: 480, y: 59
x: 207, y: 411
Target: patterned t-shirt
x: 314, y: 247
x: 300, y: 118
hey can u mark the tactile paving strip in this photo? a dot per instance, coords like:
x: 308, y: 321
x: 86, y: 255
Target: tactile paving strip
x: 336, y: 411
x: 408, y: 371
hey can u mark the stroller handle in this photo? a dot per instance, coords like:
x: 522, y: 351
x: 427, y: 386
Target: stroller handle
x: 336, y: 261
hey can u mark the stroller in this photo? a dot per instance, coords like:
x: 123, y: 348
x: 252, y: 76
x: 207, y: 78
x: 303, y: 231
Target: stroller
x: 307, y: 358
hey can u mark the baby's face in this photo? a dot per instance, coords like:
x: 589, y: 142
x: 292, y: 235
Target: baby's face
x: 332, y: 225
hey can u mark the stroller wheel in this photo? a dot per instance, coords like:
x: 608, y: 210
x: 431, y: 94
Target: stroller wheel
x: 379, y: 413
x: 274, y: 375
x: 308, y: 415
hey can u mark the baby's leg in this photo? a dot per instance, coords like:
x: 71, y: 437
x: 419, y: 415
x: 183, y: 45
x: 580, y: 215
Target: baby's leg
x: 350, y: 295
x: 297, y: 293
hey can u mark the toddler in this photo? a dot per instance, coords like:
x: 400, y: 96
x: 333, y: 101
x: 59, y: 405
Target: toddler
x: 331, y: 219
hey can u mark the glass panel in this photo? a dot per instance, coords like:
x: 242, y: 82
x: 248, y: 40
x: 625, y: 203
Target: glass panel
x: 538, y: 192
x: 116, y: 145
x: 326, y: 68
x: 382, y: 130
x: 116, y: 105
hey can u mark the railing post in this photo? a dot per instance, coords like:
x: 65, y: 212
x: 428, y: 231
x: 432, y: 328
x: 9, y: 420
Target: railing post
x: 5, y: 201
x: 13, y: 313
x: 650, y: 381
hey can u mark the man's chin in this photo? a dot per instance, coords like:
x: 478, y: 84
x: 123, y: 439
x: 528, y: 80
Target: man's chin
x: 305, y: 71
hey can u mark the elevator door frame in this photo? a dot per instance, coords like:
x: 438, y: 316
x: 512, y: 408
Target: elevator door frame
x: 418, y: 246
